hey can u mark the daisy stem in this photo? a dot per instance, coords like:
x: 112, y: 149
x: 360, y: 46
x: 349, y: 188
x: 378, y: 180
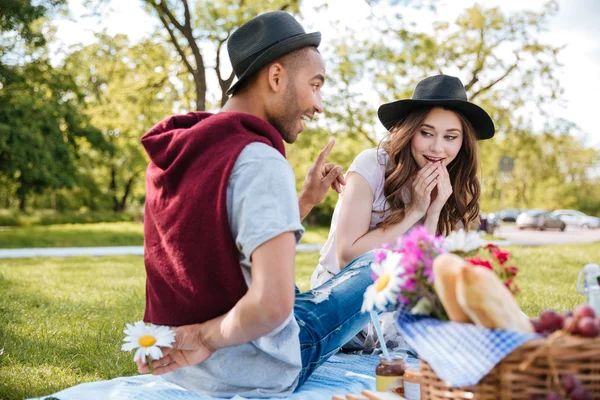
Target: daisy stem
x: 150, y: 365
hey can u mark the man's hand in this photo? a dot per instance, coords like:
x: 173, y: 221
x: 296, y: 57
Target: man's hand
x: 188, y: 349
x: 319, y: 178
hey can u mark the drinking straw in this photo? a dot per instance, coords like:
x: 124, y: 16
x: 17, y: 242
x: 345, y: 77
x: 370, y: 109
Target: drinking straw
x: 375, y: 320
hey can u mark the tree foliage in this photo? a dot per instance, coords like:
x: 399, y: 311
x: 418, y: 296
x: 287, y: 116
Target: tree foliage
x: 190, y: 24
x: 506, y: 68
x: 18, y: 17
x: 40, y: 107
x: 128, y: 89
x: 69, y: 134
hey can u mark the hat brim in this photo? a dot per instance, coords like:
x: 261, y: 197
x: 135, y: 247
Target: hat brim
x: 276, y: 51
x: 392, y: 113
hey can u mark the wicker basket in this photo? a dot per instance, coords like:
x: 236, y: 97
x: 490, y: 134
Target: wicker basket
x: 533, y: 368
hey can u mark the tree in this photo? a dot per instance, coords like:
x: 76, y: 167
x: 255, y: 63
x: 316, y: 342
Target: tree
x: 190, y: 24
x: 40, y: 108
x: 499, y: 57
x: 40, y: 122
x: 128, y: 89
x: 17, y: 18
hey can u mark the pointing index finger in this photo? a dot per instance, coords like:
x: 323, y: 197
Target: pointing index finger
x: 325, y: 152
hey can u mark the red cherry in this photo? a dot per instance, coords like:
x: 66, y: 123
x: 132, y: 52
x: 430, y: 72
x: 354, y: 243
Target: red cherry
x: 587, y: 327
x: 570, y: 325
x: 537, y: 325
x: 579, y: 393
x: 551, y: 321
x: 584, y: 310
x: 570, y: 382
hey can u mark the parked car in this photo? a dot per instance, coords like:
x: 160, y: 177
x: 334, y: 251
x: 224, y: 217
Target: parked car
x: 509, y: 215
x: 577, y: 218
x: 540, y: 219
x: 488, y: 222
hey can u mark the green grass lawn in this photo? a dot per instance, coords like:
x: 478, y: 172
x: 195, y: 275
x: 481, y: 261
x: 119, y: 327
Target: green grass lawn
x: 62, y: 318
x: 108, y: 234
x: 99, y: 234
x: 73, y: 235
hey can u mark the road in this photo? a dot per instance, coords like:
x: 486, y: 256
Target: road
x: 101, y: 251
x: 509, y: 235
x: 531, y: 237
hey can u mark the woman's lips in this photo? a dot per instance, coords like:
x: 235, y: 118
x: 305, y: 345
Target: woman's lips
x: 433, y: 159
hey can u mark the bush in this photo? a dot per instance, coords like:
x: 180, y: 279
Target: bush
x: 8, y: 218
x: 51, y: 217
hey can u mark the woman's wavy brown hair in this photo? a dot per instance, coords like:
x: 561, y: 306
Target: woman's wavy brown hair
x: 463, y: 204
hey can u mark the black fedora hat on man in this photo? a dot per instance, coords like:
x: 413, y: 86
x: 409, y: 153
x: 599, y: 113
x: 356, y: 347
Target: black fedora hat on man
x: 443, y: 91
x: 264, y: 39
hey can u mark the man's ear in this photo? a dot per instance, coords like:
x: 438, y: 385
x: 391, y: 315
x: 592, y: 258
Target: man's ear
x: 276, y: 76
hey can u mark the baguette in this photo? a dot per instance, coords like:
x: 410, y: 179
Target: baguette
x: 446, y: 270
x: 486, y: 300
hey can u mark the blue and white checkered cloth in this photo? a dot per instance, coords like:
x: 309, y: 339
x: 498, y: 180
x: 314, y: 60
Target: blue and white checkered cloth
x: 460, y: 354
x: 342, y: 373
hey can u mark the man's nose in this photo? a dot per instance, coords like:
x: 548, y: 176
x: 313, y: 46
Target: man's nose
x: 318, y: 105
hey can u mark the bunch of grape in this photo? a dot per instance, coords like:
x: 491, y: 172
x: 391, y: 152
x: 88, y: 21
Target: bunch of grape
x: 572, y: 387
x: 582, y: 321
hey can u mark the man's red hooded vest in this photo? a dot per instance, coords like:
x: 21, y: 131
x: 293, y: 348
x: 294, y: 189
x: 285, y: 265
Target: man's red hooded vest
x: 192, y: 263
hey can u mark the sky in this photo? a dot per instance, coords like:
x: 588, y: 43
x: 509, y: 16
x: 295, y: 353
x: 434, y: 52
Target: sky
x: 576, y: 26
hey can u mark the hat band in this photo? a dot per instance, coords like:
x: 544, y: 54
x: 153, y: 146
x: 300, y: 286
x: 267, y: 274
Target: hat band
x: 439, y: 98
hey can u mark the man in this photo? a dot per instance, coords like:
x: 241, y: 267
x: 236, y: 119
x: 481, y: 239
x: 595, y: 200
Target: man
x: 222, y: 221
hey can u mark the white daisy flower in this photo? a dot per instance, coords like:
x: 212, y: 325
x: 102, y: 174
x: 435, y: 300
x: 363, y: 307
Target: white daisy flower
x: 148, y: 339
x: 385, y: 289
x: 463, y: 242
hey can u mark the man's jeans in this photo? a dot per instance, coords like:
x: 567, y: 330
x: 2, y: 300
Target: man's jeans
x: 329, y: 316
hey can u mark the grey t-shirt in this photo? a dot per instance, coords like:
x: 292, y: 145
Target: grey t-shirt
x: 261, y: 203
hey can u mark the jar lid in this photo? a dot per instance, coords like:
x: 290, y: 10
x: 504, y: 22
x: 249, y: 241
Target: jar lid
x: 413, y: 362
x: 393, y: 357
x: 400, y: 354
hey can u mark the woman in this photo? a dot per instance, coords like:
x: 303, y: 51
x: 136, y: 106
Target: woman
x: 423, y: 173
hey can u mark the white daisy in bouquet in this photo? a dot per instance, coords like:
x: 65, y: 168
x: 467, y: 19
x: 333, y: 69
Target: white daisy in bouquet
x: 404, y: 273
x: 147, y: 339
x: 463, y: 243
x: 387, y: 281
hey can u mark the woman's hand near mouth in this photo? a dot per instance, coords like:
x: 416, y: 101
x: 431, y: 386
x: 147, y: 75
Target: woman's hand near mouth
x: 422, y: 185
x: 443, y: 190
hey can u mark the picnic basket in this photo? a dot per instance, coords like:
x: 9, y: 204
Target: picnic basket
x: 532, y: 369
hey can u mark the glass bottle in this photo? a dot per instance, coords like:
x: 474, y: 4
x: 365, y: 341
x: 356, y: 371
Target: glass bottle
x: 591, y: 287
x: 412, y: 383
x: 389, y: 374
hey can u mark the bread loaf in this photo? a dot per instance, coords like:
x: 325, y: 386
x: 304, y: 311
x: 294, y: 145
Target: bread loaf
x: 486, y: 300
x: 446, y: 270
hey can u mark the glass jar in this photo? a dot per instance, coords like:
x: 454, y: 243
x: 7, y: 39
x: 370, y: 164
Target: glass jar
x: 389, y: 374
x: 412, y: 383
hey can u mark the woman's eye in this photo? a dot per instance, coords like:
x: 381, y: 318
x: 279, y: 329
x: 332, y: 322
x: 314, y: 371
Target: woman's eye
x: 425, y: 133
x: 451, y: 137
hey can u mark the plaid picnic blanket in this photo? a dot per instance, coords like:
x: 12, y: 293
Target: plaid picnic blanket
x: 460, y: 354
